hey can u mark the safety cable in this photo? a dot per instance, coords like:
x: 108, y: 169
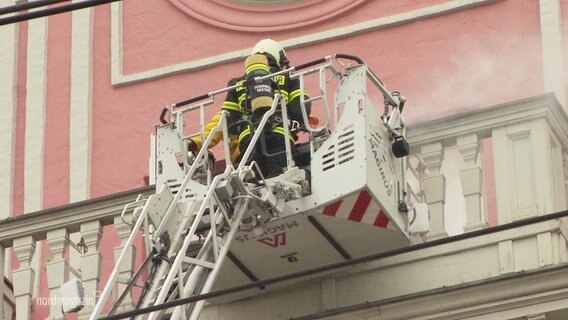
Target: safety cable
x: 339, y: 265
x: 29, y: 5
x: 48, y: 11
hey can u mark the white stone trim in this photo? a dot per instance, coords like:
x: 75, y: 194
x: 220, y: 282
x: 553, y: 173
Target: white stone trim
x: 35, y: 114
x: 419, y: 285
x: 8, y: 104
x: 81, y: 100
x: 35, y: 125
x: 518, y: 307
x: 80, y: 125
x: 118, y: 78
x: 70, y: 216
x: 552, y: 50
x: 116, y: 43
x: 482, y: 121
x: 524, y: 181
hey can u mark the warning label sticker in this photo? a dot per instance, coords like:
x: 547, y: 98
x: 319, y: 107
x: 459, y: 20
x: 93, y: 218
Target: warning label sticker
x: 274, y: 241
x: 273, y: 236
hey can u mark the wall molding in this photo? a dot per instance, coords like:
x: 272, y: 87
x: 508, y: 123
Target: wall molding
x: 34, y: 154
x: 118, y: 78
x: 552, y: 48
x: 80, y: 128
x: 9, y: 35
x: 264, y: 17
x: 36, y: 86
x: 482, y: 121
x: 8, y: 105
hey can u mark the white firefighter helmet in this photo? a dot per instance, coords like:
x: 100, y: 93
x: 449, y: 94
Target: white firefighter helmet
x: 272, y: 48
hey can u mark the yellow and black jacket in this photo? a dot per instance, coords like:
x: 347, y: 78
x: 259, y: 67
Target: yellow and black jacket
x: 237, y: 103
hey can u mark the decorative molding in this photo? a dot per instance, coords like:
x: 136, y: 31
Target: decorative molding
x: 24, y: 277
x: 484, y: 120
x: 8, y: 103
x: 118, y: 78
x: 518, y: 143
x: 36, y: 91
x: 516, y: 179
x: 80, y: 127
x: 70, y: 216
x: 267, y: 17
x: 552, y: 48
x: 36, y: 87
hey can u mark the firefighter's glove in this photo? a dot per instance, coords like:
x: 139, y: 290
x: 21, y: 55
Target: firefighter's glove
x: 260, y: 92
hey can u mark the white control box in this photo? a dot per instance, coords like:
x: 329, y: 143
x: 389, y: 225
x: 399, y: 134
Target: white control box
x: 72, y: 296
x: 420, y: 218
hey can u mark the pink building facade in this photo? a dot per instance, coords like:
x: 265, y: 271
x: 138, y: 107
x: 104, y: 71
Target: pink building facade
x: 82, y: 91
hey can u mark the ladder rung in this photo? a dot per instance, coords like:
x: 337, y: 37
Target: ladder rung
x: 315, y: 98
x: 125, y: 280
x: 198, y: 262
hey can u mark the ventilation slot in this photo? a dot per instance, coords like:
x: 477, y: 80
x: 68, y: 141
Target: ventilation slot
x: 346, y: 147
x: 328, y: 159
x: 174, y: 186
x: 343, y: 152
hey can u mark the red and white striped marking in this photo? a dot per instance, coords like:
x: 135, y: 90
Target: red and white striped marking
x: 359, y: 208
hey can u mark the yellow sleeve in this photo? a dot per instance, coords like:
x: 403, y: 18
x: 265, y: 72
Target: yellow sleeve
x: 208, y: 128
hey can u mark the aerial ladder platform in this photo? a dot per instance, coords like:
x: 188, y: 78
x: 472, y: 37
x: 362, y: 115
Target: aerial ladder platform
x: 342, y: 195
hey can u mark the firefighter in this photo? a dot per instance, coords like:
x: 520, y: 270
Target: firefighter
x: 250, y: 100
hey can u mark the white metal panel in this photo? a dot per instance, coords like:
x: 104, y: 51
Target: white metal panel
x: 293, y: 244
x: 354, y: 198
x: 384, y: 171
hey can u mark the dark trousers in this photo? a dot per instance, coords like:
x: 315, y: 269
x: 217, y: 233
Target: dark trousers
x: 272, y: 160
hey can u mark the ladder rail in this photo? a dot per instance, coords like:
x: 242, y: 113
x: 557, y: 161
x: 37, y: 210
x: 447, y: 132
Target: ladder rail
x: 288, y: 146
x: 139, y: 201
x: 194, y: 274
x: 222, y: 125
x: 115, y: 271
x: 193, y: 104
x: 213, y: 231
x: 198, y: 216
x: 212, y: 274
x: 322, y: 96
x: 317, y: 66
x: 215, y: 272
x: 210, y: 249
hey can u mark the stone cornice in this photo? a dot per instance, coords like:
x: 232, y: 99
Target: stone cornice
x: 483, y: 121
x: 70, y: 216
x: 453, y: 247
x: 492, y: 295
